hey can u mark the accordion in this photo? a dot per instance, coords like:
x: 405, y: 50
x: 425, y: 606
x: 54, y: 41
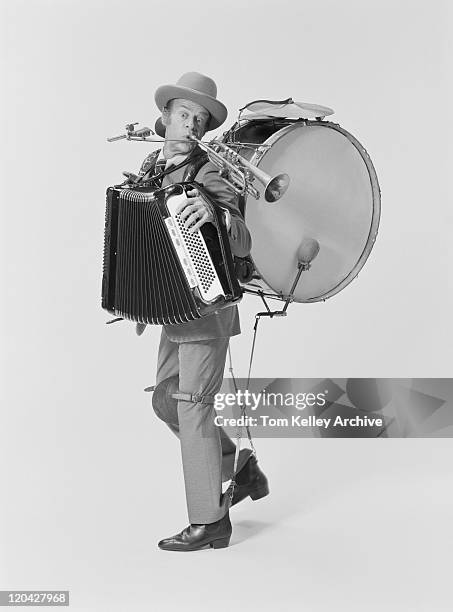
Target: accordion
x: 154, y: 270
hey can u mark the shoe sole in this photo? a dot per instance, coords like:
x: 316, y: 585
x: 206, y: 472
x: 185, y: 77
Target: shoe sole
x: 220, y: 543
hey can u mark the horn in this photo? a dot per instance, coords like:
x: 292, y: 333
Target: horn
x: 239, y: 173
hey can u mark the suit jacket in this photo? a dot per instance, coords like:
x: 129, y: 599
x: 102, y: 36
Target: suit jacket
x: 226, y: 322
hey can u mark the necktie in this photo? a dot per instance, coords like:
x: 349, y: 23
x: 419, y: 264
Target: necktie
x: 160, y: 167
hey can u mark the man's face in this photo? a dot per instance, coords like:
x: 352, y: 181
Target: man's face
x: 183, y: 120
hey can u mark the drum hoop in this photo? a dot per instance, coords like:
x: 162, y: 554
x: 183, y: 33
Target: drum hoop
x: 376, y: 195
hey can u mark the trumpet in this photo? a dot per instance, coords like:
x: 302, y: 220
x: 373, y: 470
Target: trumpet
x: 234, y: 169
x: 239, y: 173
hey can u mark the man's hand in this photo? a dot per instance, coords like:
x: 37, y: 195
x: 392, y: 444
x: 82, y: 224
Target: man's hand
x: 194, y: 211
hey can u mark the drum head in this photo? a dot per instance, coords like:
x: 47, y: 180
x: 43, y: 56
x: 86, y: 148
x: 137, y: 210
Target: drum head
x: 333, y: 197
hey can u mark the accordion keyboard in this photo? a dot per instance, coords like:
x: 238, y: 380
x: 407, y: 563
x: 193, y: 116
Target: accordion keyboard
x: 192, y: 253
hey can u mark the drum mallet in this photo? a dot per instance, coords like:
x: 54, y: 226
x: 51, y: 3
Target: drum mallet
x: 307, y: 251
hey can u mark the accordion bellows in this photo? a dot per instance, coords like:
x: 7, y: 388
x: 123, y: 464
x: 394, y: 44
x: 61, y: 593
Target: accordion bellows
x: 154, y: 270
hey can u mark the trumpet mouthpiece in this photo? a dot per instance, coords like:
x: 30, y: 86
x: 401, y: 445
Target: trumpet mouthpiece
x: 276, y: 187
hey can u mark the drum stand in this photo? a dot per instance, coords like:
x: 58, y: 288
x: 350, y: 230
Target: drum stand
x: 288, y: 298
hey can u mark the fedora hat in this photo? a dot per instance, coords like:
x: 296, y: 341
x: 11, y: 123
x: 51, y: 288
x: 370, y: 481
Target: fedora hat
x: 197, y: 88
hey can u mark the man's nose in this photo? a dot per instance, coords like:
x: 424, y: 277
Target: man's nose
x: 191, y: 124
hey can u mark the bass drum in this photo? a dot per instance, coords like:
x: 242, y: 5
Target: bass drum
x: 333, y: 196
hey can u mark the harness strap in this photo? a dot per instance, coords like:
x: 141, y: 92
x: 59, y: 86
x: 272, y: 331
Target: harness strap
x: 230, y: 491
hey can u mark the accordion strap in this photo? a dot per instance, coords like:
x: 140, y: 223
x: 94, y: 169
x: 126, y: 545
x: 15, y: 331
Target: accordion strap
x: 193, y: 163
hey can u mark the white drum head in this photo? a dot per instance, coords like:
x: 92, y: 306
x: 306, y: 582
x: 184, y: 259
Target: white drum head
x: 333, y: 197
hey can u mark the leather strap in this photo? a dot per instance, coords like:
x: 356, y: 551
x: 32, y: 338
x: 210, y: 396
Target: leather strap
x: 193, y: 398
x: 187, y: 397
x: 273, y: 102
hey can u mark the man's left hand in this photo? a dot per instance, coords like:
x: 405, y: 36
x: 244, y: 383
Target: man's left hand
x: 194, y: 211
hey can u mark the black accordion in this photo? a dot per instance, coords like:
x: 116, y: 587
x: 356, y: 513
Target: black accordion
x: 154, y: 270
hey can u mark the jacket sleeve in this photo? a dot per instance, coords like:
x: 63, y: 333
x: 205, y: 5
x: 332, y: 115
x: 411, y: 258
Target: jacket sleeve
x: 225, y: 197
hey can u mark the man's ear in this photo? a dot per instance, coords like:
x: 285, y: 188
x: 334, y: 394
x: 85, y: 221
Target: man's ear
x: 165, y: 116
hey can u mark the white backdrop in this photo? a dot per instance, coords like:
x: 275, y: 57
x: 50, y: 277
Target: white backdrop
x: 74, y: 73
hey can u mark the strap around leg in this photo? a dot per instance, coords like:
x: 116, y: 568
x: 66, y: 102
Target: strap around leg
x: 193, y: 398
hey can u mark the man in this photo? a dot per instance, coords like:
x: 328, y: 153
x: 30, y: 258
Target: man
x: 195, y: 351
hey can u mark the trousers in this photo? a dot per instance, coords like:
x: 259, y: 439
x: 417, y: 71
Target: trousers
x: 207, y: 451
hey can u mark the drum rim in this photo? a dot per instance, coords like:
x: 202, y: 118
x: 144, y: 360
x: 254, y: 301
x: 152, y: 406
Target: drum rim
x: 257, y: 158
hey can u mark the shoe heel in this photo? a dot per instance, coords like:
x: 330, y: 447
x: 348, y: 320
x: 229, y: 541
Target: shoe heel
x: 259, y: 493
x: 222, y: 543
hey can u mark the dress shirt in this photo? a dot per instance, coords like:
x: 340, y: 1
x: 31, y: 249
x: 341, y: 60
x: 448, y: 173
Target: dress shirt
x: 172, y: 161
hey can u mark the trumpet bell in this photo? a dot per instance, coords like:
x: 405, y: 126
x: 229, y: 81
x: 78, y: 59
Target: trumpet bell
x: 276, y: 187
x: 239, y: 173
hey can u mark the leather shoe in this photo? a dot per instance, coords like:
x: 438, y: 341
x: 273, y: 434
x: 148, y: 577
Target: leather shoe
x: 196, y: 537
x: 250, y: 480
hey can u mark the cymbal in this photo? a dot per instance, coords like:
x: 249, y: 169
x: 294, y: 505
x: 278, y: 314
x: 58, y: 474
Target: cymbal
x: 296, y: 110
